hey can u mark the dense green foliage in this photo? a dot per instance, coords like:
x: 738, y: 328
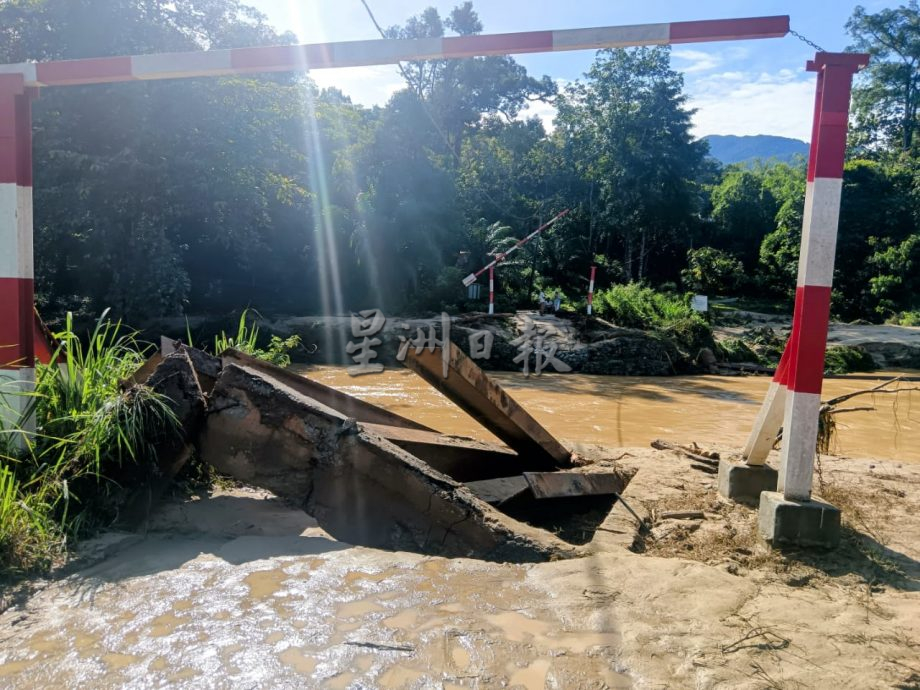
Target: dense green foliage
x: 634, y: 305
x: 887, y: 103
x: 637, y: 306
x: 201, y: 196
x: 91, y: 437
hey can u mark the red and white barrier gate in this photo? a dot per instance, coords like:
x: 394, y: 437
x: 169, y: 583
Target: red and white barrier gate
x: 471, y: 278
x: 794, y: 396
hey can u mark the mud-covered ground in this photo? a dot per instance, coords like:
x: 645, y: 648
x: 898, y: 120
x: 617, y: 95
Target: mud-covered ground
x: 891, y: 347
x: 238, y: 590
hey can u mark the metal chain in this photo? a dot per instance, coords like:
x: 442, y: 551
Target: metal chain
x: 806, y: 41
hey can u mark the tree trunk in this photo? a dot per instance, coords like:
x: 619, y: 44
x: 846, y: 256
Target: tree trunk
x: 628, y: 258
x: 533, y: 264
x: 642, y: 255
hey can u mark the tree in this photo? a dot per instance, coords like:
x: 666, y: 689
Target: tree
x: 886, y: 102
x: 744, y: 211
x: 896, y: 283
x: 712, y: 271
x: 627, y: 130
x: 457, y: 93
x: 149, y: 194
x: 876, y: 255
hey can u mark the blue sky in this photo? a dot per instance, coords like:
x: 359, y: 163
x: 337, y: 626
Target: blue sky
x: 745, y: 87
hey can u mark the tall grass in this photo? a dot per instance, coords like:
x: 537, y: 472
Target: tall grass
x: 246, y: 340
x: 638, y: 306
x: 635, y: 305
x: 90, y: 436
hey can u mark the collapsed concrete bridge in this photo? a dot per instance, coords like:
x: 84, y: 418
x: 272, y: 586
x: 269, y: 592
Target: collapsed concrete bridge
x: 375, y: 478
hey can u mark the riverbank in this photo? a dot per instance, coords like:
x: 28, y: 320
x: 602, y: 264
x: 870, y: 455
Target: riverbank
x: 236, y: 589
x: 589, y: 346
x: 890, y: 347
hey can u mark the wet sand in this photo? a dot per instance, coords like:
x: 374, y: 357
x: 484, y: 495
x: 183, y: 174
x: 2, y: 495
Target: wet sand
x: 236, y: 590
x: 269, y: 609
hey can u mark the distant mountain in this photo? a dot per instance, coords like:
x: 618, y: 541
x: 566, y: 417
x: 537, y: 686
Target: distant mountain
x: 727, y: 148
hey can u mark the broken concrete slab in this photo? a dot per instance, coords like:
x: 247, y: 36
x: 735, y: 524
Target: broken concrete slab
x: 348, y: 405
x: 471, y: 389
x: 207, y: 367
x: 176, y: 380
x: 359, y: 486
x: 543, y: 486
x: 744, y: 483
x: 463, y: 459
x: 546, y: 485
x: 784, y: 522
x: 499, y: 490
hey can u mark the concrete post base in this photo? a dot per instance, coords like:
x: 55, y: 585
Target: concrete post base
x: 744, y: 483
x: 783, y: 522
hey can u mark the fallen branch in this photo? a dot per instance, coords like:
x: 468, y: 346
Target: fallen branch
x: 659, y: 444
x: 880, y: 388
x: 841, y: 410
x: 760, y: 638
x: 708, y: 469
x: 382, y: 647
x: 683, y: 515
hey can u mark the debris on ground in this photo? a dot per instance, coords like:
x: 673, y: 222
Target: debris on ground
x: 375, y: 478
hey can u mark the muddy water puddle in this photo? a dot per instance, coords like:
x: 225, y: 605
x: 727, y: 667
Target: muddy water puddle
x: 353, y: 618
x: 632, y: 411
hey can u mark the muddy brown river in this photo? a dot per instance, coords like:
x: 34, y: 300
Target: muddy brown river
x: 632, y: 411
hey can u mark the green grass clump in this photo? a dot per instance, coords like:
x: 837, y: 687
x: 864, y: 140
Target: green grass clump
x: 736, y: 350
x: 30, y: 539
x: 908, y: 318
x: 61, y: 474
x: 844, y: 359
x: 638, y: 306
x: 246, y: 340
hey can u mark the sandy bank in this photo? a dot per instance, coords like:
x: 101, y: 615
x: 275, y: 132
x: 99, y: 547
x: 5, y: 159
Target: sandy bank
x: 237, y: 589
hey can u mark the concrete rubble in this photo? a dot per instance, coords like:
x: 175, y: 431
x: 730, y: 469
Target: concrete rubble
x: 374, y: 478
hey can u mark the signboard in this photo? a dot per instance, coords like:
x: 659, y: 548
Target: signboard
x: 700, y: 303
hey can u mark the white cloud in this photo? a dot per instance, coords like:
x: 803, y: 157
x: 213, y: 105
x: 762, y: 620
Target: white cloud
x: 779, y: 103
x: 731, y: 102
x: 700, y: 61
x: 545, y: 111
x: 366, y: 86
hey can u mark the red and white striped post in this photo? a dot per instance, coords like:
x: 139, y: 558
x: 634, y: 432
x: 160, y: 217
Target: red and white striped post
x: 17, y: 353
x: 491, y: 289
x: 796, y: 388
x: 816, y: 270
x: 591, y: 289
x: 770, y: 417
